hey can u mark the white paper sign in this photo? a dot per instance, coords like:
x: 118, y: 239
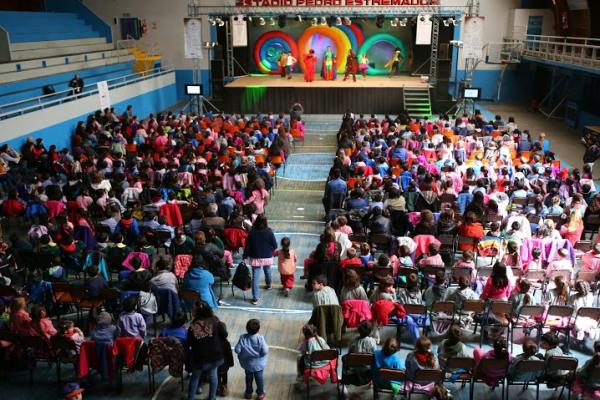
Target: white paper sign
x: 193, y: 38
x: 424, y: 25
x: 239, y: 29
x: 103, y: 95
x: 473, y: 38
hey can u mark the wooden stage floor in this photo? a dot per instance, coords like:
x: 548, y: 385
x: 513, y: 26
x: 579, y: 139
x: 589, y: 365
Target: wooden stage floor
x: 297, y: 81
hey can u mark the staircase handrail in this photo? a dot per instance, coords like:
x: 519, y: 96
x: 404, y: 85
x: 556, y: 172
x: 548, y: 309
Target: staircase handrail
x: 93, y: 89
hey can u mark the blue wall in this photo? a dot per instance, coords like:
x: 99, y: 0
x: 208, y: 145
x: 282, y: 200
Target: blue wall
x: 143, y: 105
x: 185, y: 76
x: 76, y: 6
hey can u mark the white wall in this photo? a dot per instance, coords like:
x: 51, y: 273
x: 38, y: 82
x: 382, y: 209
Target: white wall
x: 519, y: 20
x: 164, y: 19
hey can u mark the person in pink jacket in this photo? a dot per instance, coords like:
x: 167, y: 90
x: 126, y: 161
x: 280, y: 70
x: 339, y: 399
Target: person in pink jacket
x: 41, y: 325
x: 259, y: 197
x: 20, y: 320
x: 498, y: 285
x: 286, y: 263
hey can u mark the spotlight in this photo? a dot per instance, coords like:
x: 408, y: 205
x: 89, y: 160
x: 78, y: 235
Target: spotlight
x: 314, y: 21
x: 282, y: 20
x: 298, y: 18
x: 247, y: 18
x: 394, y: 22
x: 220, y: 22
x: 455, y: 21
x: 272, y: 21
x: 323, y: 21
x: 214, y: 44
x: 446, y: 22
x: 338, y: 21
x: 212, y: 21
x: 206, y: 45
x: 347, y: 21
x: 261, y: 21
x: 403, y: 21
x: 379, y: 21
x: 236, y: 18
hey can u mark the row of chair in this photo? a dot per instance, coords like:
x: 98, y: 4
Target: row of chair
x: 461, y: 370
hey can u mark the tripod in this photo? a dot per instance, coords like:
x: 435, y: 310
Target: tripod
x: 199, y: 104
x: 462, y: 106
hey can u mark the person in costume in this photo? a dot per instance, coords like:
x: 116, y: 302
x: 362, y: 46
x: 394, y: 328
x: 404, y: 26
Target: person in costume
x: 393, y: 65
x: 282, y: 62
x: 329, y: 64
x: 351, y: 65
x: 364, y: 65
x: 309, y: 66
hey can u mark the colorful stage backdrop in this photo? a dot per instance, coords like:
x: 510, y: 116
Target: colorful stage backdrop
x: 299, y: 37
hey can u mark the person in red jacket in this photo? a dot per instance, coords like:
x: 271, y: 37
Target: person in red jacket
x: 470, y: 228
x: 12, y: 206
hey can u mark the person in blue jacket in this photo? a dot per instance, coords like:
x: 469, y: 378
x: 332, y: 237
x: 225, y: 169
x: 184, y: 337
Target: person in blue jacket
x: 387, y: 357
x: 199, y: 279
x: 260, y: 245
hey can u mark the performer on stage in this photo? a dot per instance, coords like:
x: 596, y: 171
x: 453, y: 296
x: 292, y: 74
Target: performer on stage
x: 364, y: 65
x: 290, y: 63
x: 329, y: 64
x: 282, y: 62
x: 309, y: 66
x: 393, y: 65
x: 351, y: 65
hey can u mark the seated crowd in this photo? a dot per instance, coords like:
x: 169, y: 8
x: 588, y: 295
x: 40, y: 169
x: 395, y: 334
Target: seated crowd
x: 138, y: 219
x: 453, y: 224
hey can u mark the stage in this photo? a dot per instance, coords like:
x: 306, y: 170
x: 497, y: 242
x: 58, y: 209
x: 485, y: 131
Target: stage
x: 271, y: 93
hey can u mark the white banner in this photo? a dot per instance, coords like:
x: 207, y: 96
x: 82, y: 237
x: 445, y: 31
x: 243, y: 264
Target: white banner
x: 103, y: 95
x: 193, y: 38
x: 473, y: 38
x: 239, y: 29
x: 424, y: 25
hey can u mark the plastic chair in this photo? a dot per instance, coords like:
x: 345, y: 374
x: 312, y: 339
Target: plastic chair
x: 389, y: 374
x: 319, y: 355
x: 527, y: 366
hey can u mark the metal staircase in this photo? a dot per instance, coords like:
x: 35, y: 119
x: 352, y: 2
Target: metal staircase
x: 417, y: 101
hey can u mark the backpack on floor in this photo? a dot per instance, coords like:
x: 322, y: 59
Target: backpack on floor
x: 242, y: 279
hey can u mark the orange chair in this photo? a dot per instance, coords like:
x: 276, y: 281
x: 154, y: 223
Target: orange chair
x: 396, y: 171
x: 260, y: 159
x: 224, y: 159
x: 526, y: 154
x: 556, y: 164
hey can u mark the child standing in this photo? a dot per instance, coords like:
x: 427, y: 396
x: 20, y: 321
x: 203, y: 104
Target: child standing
x: 286, y: 263
x: 252, y: 351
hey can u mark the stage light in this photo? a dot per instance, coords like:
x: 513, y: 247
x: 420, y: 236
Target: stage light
x: 323, y: 21
x: 379, y: 21
x: 314, y: 21
x: 446, y: 22
x: 282, y: 20
x: 212, y: 21
x: 338, y: 21
x: 394, y: 22
x: 454, y: 21
x: 347, y: 21
x: 220, y: 22
x: 272, y: 21
x: 261, y: 21
x: 214, y: 44
x: 404, y: 22
x: 299, y: 18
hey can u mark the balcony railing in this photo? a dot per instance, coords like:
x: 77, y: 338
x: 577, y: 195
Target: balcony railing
x: 568, y: 50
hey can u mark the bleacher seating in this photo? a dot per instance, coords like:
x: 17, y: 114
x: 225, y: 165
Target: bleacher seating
x: 21, y: 90
x: 42, y: 26
x: 55, y: 48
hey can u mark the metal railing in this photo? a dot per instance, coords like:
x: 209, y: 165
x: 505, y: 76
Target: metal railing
x: 49, y: 100
x: 569, y: 50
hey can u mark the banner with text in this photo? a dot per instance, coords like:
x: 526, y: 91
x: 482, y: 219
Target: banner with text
x: 335, y: 3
